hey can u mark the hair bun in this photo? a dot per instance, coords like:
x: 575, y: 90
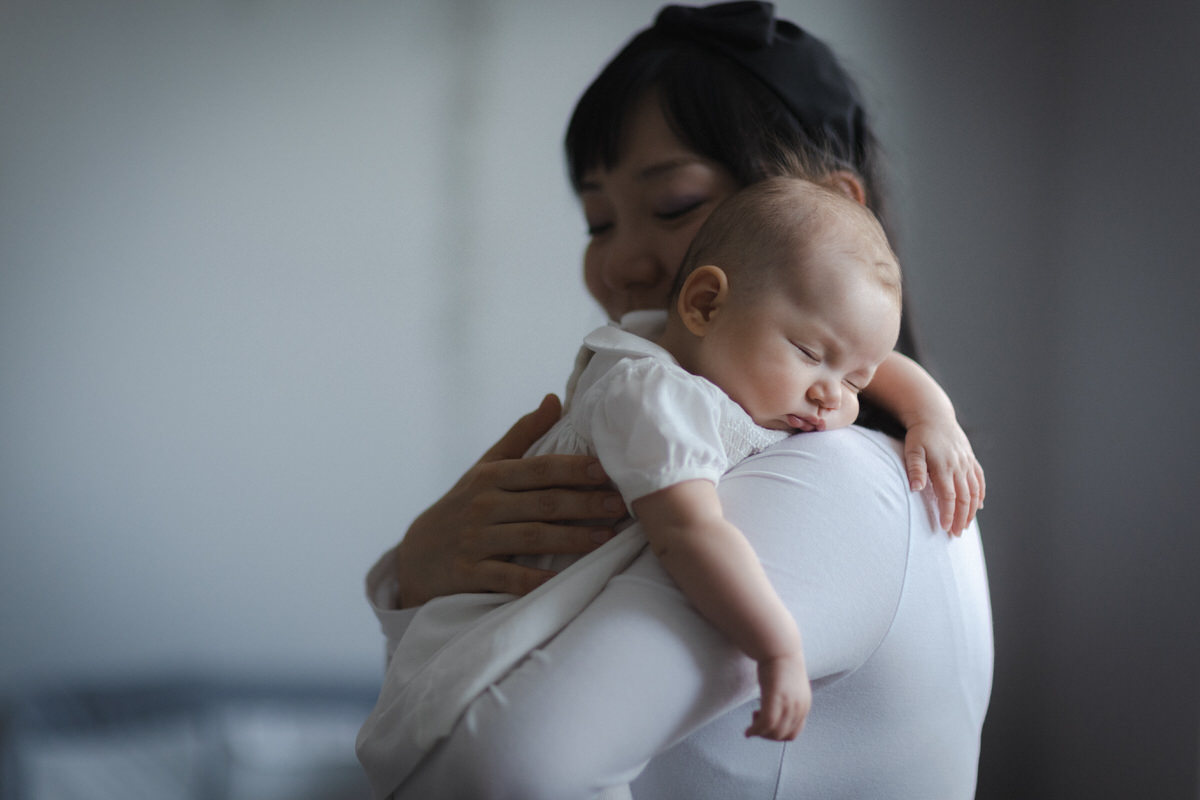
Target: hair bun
x: 746, y: 24
x: 797, y: 66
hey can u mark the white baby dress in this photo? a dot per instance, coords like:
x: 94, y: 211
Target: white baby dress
x: 652, y: 425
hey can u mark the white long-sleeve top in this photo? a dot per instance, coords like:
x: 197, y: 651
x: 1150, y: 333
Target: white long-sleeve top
x: 639, y: 688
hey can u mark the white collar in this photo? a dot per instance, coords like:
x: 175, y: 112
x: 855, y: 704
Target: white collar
x: 632, y: 336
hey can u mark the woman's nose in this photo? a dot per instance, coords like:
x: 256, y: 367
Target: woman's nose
x: 631, y: 263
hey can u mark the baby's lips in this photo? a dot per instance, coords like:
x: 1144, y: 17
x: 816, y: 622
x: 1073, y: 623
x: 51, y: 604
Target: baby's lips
x: 806, y: 424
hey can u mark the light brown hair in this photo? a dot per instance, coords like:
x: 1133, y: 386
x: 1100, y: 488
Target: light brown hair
x: 774, y: 226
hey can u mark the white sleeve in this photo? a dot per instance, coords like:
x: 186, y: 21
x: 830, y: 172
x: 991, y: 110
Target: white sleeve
x: 639, y: 669
x: 653, y: 426
x: 382, y: 592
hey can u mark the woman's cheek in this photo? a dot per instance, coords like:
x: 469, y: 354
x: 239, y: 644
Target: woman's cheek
x: 683, y: 241
x: 593, y: 279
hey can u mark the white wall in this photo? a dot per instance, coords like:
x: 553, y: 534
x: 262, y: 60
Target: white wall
x: 273, y: 273
x: 241, y: 243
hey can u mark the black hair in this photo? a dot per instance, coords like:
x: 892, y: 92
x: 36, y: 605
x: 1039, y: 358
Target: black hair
x: 716, y: 108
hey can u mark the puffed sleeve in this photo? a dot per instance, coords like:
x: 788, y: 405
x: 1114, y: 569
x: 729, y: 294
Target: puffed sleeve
x: 653, y: 425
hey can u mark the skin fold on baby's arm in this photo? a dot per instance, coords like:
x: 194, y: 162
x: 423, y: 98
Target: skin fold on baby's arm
x: 717, y: 569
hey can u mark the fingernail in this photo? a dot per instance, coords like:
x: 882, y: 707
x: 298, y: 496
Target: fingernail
x: 614, y: 504
x: 595, y: 471
x: 601, y: 535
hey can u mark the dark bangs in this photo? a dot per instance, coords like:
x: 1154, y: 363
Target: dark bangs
x: 715, y: 108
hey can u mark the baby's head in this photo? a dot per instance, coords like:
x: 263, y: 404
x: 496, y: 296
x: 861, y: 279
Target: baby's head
x: 788, y: 300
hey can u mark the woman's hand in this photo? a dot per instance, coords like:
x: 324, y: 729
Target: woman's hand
x: 506, y: 505
x: 938, y: 451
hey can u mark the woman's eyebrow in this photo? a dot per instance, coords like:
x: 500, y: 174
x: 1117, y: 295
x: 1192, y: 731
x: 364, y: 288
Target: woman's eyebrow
x: 647, y: 173
x: 662, y: 167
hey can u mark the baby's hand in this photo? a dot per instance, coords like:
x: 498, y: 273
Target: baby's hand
x: 939, y: 451
x: 786, y: 698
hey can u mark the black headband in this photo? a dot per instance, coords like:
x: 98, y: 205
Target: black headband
x: 799, y: 68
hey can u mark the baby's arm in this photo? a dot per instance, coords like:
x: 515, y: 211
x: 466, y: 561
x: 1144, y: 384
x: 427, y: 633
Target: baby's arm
x: 935, y: 445
x: 717, y: 569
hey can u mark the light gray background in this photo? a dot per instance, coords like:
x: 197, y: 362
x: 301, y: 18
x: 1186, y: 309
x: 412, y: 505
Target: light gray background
x: 272, y: 274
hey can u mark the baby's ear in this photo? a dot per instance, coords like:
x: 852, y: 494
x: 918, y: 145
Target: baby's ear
x: 703, y: 294
x: 846, y: 183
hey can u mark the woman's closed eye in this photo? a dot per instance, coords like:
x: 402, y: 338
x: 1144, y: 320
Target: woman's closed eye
x: 597, y: 228
x: 670, y: 213
x: 680, y: 209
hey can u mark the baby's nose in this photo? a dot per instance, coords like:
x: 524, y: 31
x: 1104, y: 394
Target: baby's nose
x: 825, y: 396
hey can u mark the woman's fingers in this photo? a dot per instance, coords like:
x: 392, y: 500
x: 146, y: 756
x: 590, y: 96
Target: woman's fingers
x: 545, y: 505
x: 541, y: 538
x: 504, y: 576
x: 539, y: 472
x: 500, y: 508
x: 477, y: 566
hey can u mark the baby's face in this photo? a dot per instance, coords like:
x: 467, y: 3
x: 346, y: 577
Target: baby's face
x: 796, y: 356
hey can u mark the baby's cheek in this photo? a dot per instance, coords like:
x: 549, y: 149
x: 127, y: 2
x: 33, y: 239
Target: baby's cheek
x: 845, y: 414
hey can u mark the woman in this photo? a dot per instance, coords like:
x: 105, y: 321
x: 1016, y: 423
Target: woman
x: 897, y: 618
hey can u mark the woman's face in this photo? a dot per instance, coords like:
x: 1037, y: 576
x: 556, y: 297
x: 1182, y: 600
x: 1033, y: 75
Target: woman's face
x: 643, y: 213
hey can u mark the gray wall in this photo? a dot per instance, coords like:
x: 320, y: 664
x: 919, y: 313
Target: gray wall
x: 273, y: 273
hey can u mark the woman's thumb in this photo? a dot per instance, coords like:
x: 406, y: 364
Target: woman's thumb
x: 527, y: 430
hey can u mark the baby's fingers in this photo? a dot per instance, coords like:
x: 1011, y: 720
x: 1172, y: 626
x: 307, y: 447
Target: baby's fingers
x: 767, y: 718
x: 916, y: 466
x: 778, y: 720
x: 758, y: 725
x: 979, y: 476
x: 977, y: 488
x: 964, y: 505
x: 947, y: 496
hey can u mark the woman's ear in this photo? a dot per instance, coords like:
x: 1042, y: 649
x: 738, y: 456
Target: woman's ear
x: 701, y: 297
x: 845, y: 182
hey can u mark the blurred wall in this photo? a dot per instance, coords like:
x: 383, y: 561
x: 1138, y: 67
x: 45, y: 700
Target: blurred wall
x: 273, y: 273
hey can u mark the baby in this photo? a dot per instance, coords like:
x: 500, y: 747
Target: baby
x: 786, y: 303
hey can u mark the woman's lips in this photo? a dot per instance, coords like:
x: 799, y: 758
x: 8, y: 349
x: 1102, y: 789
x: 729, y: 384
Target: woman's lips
x: 806, y: 424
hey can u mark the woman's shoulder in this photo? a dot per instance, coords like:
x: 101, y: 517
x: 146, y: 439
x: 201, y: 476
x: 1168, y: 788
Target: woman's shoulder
x: 832, y: 516
x: 851, y: 479
x: 856, y: 455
